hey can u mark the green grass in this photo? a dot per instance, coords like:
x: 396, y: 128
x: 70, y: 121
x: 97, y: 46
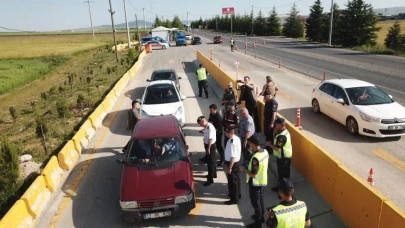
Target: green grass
x: 385, y: 26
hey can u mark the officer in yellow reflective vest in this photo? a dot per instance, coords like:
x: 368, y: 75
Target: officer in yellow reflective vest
x: 256, y: 177
x: 232, y: 43
x: 202, y: 81
x: 289, y: 213
x: 282, y: 150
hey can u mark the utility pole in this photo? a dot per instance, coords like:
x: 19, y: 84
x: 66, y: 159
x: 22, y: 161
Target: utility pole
x: 137, y: 30
x: 126, y: 21
x: 330, y: 25
x: 113, y: 27
x: 216, y: 22
x: 144, y: 22
x: 231, y: 23
x: 252, y: 20
x: 187, y: 21
x: 91, y: 20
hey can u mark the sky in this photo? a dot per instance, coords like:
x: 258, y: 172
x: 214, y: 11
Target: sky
x: 53, y: 15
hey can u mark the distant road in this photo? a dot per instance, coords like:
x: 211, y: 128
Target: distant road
x: 387, y: 72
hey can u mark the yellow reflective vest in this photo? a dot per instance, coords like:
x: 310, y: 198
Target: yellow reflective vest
x: 202, y: 75
x: 286, y: 150
x: 261, y: 177
x: 291, y: 216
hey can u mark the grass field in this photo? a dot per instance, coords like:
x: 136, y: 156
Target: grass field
x: 385, y: 26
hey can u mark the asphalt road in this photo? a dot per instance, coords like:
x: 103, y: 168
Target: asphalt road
x: 95, y: 202
x: 387, y: 72
x: 358, y: 153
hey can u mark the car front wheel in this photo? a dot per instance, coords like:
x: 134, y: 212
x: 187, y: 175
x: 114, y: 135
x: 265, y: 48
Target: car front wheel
x: 352, y: 125
x: 163, y: 47
x: 315, y: 106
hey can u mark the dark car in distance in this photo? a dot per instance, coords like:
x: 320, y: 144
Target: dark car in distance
x: 165, y: 74
x: 217, y: 40
x: 197, y: 40
x: 157, y: 178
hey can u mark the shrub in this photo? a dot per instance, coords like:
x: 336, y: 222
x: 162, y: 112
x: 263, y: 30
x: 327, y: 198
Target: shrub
x: 44, y: 96
x: 41, y: 130
x: 62, y: 106
x: 13, y: 112
x: 9, y: 171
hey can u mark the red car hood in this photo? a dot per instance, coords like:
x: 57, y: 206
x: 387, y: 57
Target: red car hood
x: 155, y: 184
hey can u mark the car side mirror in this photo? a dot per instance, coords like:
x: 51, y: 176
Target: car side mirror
x: 183, y: 97
x: 390, y: 96
x: 179, y: 78
x: 120, y: 161
x: 341, y: 101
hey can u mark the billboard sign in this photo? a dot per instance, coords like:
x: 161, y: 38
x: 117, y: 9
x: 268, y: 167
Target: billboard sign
x: 228, y: 10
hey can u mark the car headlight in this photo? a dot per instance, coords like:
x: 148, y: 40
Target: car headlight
x: 179, y: 111
x: 129, y: 204
x: 184, y: 199
x: 369, y: 118
x: 143, y: 113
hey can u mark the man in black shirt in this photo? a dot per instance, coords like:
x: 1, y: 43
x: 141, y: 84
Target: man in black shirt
x: 289, y: 212
x: 231, y: 119
x: 248, y: 95
x: 270, y: 113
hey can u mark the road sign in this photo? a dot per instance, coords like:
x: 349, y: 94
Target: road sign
x: 228, y: 10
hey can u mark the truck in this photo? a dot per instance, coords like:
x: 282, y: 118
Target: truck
x: 181, y: 39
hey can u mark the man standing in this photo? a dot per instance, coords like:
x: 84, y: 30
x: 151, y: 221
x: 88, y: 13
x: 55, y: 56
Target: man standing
x: 231, y: 119
x: 132, y: 118
x: 230, y: 94
x: 202, y: 81
x: 282, y: 150
x: 270, y: 86
x: 210, y: 148
x: 270, y: 114
x: 289, y: 212
x: 232, y: 43
x: 232, y: 157
x: 247, y: 129
x: 248, y: 95
x: 216, y: 120
x: 256, y: 177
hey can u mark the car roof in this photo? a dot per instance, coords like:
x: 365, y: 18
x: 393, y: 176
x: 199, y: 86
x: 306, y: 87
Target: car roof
x: 217, y: 37
x: 348, y: 83
x: 156, y: 127
x: 163, y: 70
x: 161, y: 82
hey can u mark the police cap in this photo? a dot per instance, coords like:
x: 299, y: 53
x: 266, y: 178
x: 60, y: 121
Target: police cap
x: 228, y: 128
x: 279, y: 121
x: 286, y: 185
x: 255, y: 139
x: 200, y: 118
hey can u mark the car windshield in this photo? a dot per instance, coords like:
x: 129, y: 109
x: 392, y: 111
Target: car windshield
x: 197, y: 38
x: 168, y: 75
x: 161, y: 94
x: 369, y: 95
x: 156, y: 151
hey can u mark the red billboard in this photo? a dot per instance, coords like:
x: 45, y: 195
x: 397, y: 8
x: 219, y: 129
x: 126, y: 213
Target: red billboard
x: 228, y: 10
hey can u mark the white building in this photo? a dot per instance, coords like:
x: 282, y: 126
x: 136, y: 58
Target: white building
x: 162, y: 32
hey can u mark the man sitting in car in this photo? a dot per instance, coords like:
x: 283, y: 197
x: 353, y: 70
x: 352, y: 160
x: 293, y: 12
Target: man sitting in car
x: 170, y: 146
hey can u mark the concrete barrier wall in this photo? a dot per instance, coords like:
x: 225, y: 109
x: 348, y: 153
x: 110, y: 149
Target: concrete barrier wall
x: 353, y: 199
x: 24, y: 212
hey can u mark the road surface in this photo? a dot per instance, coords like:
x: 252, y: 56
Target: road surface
x: 358, y: 153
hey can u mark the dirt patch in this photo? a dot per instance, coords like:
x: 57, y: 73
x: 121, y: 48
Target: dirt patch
x: 28, y: 167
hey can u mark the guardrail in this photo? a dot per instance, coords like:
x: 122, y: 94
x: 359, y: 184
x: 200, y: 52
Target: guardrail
x: 24, y: 212
x: 353, y: 199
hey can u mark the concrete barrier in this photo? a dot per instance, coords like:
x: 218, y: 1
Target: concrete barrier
x: 96, y: 118
x: 17, y: 217
x: 391, y: 216
x: 350, y: 197
x: 52, y: 174
x: 80, y: 140
x: 36, y: 197
x: 111, y: 98
x: 89, y: 132
x: 68, y: 156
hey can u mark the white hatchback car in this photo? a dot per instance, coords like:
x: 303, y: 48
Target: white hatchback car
x: 360, y: 106
x: 162, y: 98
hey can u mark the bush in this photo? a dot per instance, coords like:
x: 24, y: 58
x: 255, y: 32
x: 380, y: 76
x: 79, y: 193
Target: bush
x: 13, y: 112
x: 9, y: 171
x: 62, y: 106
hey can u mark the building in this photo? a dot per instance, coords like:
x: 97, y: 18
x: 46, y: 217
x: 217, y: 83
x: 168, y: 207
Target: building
x: 162, y: 32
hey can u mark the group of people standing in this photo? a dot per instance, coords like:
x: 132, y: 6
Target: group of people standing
x: 243, y: 150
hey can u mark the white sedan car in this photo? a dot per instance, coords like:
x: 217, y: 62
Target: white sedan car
x: 162, y: 98
x: 158, y: 44
x: 360, y: 106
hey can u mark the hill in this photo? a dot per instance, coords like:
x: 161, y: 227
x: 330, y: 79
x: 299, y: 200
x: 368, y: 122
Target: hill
x: 390, y: 11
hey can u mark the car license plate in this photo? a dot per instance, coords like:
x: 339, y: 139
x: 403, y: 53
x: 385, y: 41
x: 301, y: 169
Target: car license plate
x: 399, y: 127
x: 157, y: 215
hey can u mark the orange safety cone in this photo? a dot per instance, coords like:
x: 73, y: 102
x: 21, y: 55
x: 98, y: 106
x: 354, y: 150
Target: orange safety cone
x: 264, y: 42
x: 370, y: 178
x: 298, y: 124
x: 236, y: 47
x: 324, y: 76
x: 246, y: 46
x: 279, y: 63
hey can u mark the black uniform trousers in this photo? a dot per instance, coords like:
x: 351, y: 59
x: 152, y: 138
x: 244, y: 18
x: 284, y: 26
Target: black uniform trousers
x: 220, y: 148
x: 283, y: 168
x: 212, y: 168
x: 256, y: 194
x: 203, y: 84
x: 233, y: 181
x: 246, y: 151
x: 253, y: 112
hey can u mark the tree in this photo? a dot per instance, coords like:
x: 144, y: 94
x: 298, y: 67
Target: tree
x: 62, y: 107
x: 357, y: 25
x: 316, y: 23
x: 168, y: 24
x: 176, y: 23
x: 273, y: 24
x: 259, y: 25
x: 293, y: 27
x: 158, y: 22
x: 10, y: 170
x: 394, y: 38
x: 80, y: 101
x: 13, y: 112
x: 41, y: 130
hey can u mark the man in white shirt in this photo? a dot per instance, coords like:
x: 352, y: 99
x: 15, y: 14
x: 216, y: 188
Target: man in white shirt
x: 232, y: 156
x: 210, y: 148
